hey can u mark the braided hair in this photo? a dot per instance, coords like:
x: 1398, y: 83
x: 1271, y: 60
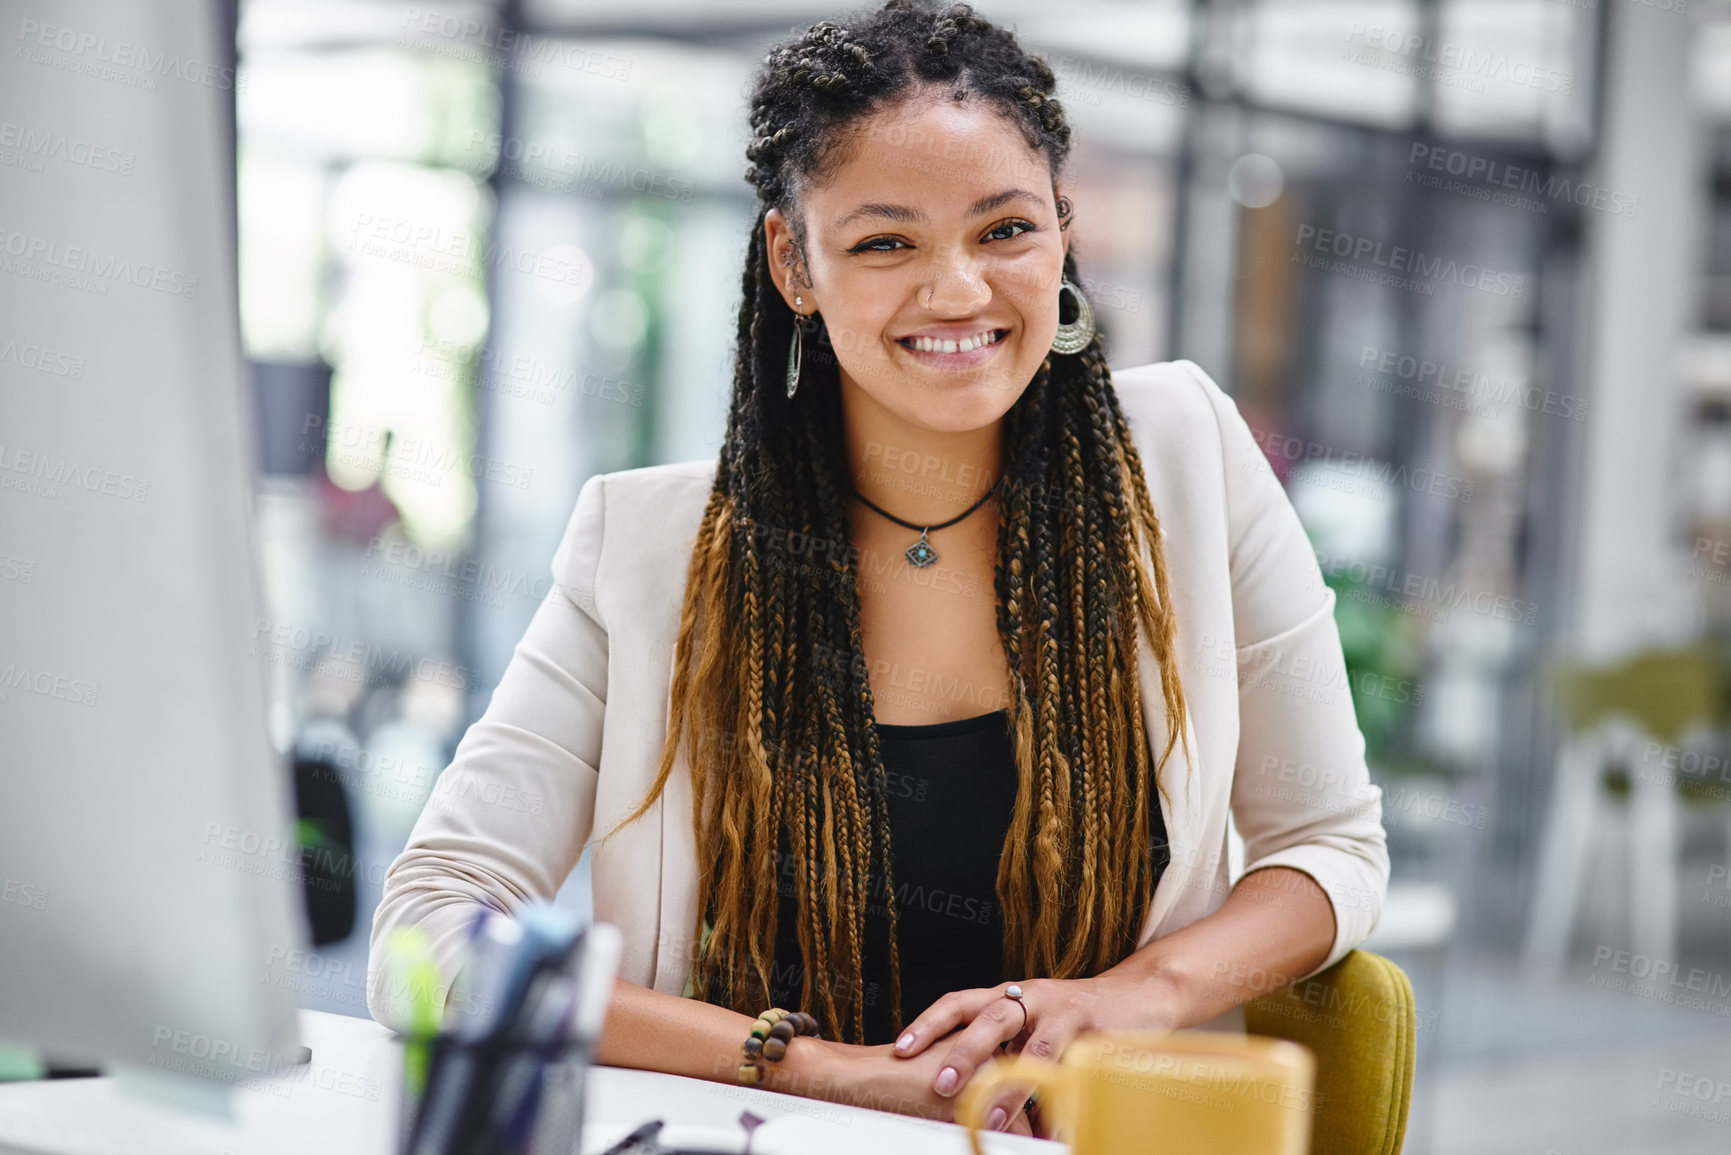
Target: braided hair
x: 770, y: 691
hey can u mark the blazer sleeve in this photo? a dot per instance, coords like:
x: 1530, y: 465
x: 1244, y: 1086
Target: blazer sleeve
x: 1301, y: 792
x: 508, y: 818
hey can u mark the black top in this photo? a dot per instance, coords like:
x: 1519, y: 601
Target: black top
x: 951, y: 787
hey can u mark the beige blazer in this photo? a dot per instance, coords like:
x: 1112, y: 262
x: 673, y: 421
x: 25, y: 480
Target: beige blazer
x: 570, y: 740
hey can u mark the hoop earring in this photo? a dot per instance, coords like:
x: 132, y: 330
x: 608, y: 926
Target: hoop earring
x: 795, y: 352
x: 1075, y: 336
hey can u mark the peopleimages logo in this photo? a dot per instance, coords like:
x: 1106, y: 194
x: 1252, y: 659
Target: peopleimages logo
x: 1455, y: 63
x: 40, y: 143
x: 1492, y: 176
x: 44, y: 474
x: 529, y: 160
x: 366, y: 662
x: 1455, y: 381
x: 416, y: 459
x: 1087, y: 79
x: 40, y: 358
x: 1359, y: 467
x: 120, y: 60
x: 88, y: 268
x: 1428, y: 590
x: 47, y: 684
x: 522, y: 51
x: 1417, y: 265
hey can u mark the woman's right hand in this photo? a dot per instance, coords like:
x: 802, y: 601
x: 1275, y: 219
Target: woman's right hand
x: 876, y: 1077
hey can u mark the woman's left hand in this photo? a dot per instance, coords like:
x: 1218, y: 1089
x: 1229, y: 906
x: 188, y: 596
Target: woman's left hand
x: 1057, y: 1011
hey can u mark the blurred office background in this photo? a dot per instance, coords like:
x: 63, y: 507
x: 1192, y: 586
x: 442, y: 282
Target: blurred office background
x: 1464, y: 264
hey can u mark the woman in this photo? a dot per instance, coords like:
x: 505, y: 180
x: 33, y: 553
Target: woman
x: 767, y: 683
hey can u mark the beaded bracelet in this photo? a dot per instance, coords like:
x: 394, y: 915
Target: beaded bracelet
x: 769, y: 1038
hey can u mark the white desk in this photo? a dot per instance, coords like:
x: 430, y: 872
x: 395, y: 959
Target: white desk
x: 345, y: 1102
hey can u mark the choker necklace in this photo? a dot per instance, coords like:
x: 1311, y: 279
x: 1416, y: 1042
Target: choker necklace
x: 921, y: 554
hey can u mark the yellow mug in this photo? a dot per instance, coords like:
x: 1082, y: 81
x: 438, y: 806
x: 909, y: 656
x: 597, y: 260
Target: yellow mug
x: 1172, y: 1092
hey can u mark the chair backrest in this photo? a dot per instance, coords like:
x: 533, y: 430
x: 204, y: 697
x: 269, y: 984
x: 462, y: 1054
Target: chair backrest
x: 1359, y: 1019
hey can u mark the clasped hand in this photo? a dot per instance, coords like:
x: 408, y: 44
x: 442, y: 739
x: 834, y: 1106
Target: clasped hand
x: 942, y: 1049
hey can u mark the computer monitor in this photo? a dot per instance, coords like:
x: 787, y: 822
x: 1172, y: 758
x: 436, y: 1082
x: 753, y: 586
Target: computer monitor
x: 147, y: 850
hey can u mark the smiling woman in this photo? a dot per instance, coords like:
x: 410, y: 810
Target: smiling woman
x: 905, y: 302
x: 928, y: 239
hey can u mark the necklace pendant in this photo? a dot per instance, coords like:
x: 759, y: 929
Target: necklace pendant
x: 920, y: 554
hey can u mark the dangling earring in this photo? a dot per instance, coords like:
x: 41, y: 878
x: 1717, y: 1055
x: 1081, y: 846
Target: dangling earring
x: 796, y: 351
x: 1074, y: 337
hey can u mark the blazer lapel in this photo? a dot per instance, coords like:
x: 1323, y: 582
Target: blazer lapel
x: 675, y: 950
x: 1181, y: 798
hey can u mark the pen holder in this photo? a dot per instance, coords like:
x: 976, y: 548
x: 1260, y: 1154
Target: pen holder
x: 493, y: 1097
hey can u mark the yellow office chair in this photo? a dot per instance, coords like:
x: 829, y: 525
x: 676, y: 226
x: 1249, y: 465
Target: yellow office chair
x: 1359, y: 1019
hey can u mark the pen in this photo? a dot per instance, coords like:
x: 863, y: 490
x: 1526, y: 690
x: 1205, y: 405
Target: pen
x: 536, y: 937
x: 411, y: 949
x: 529, y: 1040
x: 494, y: 941
x: 553, y: 1003
x: 641, y: 1138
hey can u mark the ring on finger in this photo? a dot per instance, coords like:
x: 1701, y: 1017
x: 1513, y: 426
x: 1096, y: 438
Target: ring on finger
x: 1014, y: 993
